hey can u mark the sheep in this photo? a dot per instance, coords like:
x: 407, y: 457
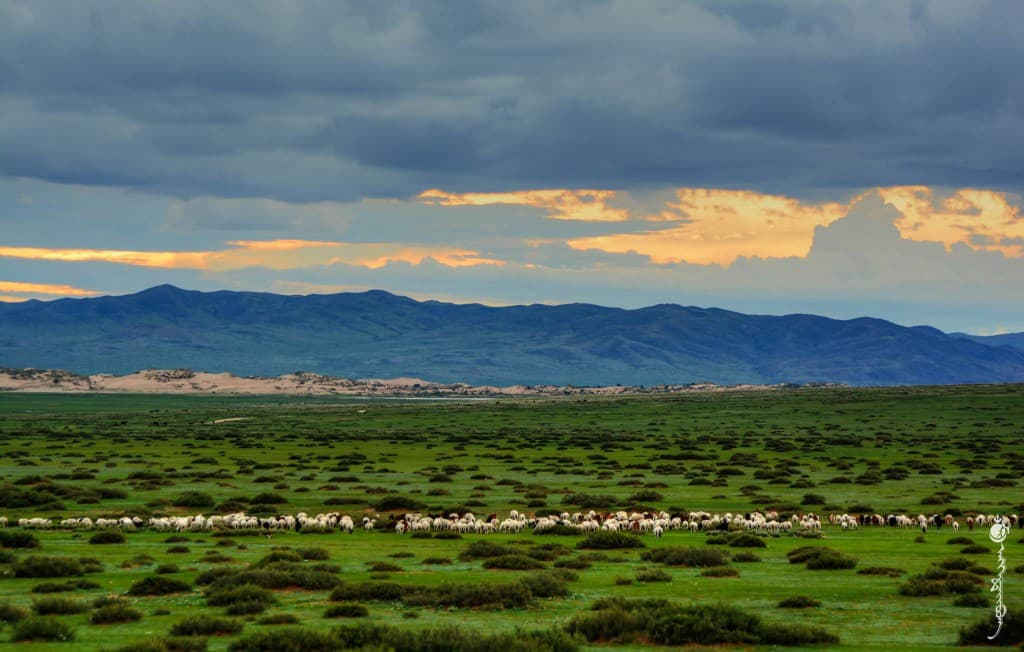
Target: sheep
x: 657, y: 531
x: 956, y: 526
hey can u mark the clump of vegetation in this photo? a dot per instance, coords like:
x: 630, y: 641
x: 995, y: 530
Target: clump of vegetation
x: 54, y: 587
x: 653, y: 575
x: 746, y: 557
x: 686, y: 556
x: 821, y: 558
x: 1011, y: 634
x: 397, y: 503
x: 158, y: 585
x: 617, y: 620
x: 58, y: 606
x: 48, y: 567
x: 383, y: 637
x: 243, y: 599
x: 607, y: 540
x: 278, y: 619
x: 886, y: 571
x: 347, y: 610
x: 203, y: 625
x: 167, y: 644
x: 720, y: 571
x: 17, y: 539
x: 513, y: 562
x: 107, y: 536
x: 10, y: 613
x: 115, y: 612
x: 490, y: 596
x: 41, y: 628
x: 383, y: 567
x: 196, y: 499
x: 798, y: 602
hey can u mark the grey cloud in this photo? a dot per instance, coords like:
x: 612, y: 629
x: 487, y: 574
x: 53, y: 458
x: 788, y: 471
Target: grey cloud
x: 335, y: 100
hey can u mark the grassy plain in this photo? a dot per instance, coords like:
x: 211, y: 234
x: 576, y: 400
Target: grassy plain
x: 900, y: 450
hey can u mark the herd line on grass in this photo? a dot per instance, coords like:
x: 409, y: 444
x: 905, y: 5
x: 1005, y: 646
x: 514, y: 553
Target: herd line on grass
x: 654, y: 523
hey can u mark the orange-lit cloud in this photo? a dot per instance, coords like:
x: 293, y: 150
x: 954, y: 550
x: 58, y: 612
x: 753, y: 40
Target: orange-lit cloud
x: 983, y: 219
x: 273, y: 254
x: 721, y: 226
x: 45, y: 288
x: 561, y: 204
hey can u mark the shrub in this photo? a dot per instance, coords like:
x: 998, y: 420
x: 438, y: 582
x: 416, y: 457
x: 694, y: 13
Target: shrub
x: 194, y: 499
x: 58, y: 605
x: 747, y: 541
x: 962, y: 541
x: 178, y: 550
x: 720, y: 571
x: 484, y: 549
x: 1011, y: 634
x: 278, y: 619
x: 447, y: 534
x: 115, y: 613
x: 18, y: 539
x: 605, y: 540
x: 798, y: 602
x: 745, y: 557
x: 53, y: 587
x: 831, y: 561
x: 513, y: 562
x: 887, y: 571
x: 313, y: 554
x: 686, y: 556
x: 243, y: 597
x: 157, y: 585
x: 655, y: 575
x: 383, y: 567
x: 10, y: 613
x: 268, y: 499
x: 289, y: 640
x: 976, y: 549
x: 41, y: 628
x: 48, y: 567
x: 167, y: 644
x: 166, y: 569
x: 7, y: 557
x: 107, y: 536
x: 575, y: 563
x: 347, y: 610
x: 206, y: 626
x: 971, y: 600
x: 813, y: 499
x: 395, y: 502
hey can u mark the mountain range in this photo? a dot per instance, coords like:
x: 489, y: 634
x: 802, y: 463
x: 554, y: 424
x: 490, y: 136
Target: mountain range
x: 376, y: 334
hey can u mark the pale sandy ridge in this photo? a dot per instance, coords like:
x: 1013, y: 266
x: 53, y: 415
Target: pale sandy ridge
x: 186, y: 381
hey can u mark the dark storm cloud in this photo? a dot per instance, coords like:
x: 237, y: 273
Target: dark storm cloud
x: 327, y: 100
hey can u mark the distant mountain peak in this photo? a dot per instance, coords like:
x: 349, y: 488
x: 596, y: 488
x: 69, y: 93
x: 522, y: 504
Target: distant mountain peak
x: 377, y: 334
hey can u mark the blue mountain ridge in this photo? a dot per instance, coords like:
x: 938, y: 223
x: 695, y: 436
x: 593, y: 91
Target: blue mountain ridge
x: 376, y: 334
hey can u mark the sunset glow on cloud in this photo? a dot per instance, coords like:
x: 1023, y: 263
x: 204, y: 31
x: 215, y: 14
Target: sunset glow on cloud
x: 271, y: 254
x: 560, y: 204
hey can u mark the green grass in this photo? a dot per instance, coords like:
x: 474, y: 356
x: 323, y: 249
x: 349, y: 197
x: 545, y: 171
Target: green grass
x: 958, y: 443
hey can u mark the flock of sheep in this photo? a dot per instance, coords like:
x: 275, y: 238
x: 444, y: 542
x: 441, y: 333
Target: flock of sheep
x: 654, y: 523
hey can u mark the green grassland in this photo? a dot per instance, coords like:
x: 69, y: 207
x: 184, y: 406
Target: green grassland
x: 954, y: 450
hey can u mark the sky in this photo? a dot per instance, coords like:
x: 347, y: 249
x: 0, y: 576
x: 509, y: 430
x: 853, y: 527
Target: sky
x: 836, y: 158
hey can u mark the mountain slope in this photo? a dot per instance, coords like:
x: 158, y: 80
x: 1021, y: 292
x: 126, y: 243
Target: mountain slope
x: 377, y: 334
x: 1015, y: 340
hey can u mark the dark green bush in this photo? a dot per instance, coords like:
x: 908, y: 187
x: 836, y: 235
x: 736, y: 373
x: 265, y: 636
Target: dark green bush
x: 383, y: 567
x: 654, y: 575
x: 157, y: 585
x: 58, y: 606
x: 41, y: 628
x: 203, y: 625
x: 167, y: 644
x: 886, y: 571
x: 960, y: 541
x: 196, y: 499
x: 268, y: 499
x: 747, y: 541
x: 574, y: 563
x: 76, y: 585
x: 395, y: 502
x: 278, y: 619
x: 17, y: 539
x: 115, y: 613
x: 436, y: 561
x: 107, y: 536
x: 720, y: 571
x: 831, y: 560
x: 246, y: 594
x: 484, y: 549
x: 347, y: 610
x: 607, y: 540
x: 10, y: 613
x: 313, y: 554
x: 48, y: 567
x: 686, y: 556
x: 971, y: 600
x: 512, y: 562
x: 745, y: 557
x: 798, y: 602
x: 975, y: 550
x: 1011, y: 634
